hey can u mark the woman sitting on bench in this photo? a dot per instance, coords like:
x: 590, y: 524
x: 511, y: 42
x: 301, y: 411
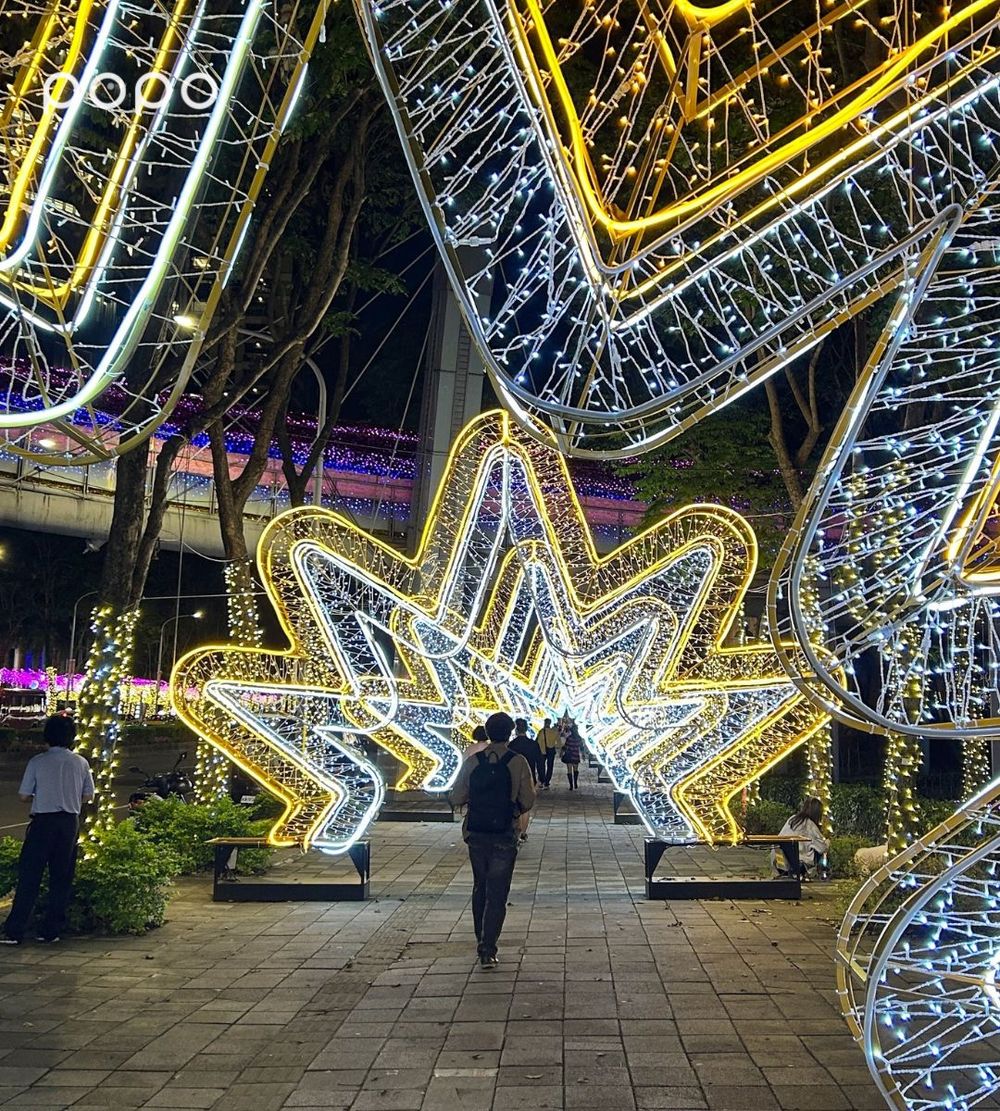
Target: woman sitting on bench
x: 814, y: 846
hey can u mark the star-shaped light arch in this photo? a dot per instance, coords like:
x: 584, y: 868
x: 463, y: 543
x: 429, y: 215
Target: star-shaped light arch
x: 506, y: 605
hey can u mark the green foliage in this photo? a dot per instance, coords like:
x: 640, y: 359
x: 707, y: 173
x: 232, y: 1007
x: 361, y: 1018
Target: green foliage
x: 765, y: 817
x: 123, y: 887
x: 159, y: 732
x: 841, y: 856
x: 858, y: 809
x: 787, y: 790
x: 932, y: 812
x: 726, y: 459
x: 184, y: 830
x: 10, y: 850
x: 265, y: 805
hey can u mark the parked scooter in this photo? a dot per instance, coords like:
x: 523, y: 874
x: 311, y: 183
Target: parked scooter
x: 163, y: 785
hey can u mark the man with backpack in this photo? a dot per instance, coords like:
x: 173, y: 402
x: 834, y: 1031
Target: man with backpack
x: 497, y: 786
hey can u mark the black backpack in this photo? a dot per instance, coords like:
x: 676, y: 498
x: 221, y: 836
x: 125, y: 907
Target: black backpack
x: 491, y: 809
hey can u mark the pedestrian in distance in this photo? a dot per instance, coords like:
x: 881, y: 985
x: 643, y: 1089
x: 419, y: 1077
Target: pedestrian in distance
x: 497, y: 787
x: 572, y: 748
x: 480, y: 741
x: 56, y: 782
x: 528, y: 748
x: 549, y: 742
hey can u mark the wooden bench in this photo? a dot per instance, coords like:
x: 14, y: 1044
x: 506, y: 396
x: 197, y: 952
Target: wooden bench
x: 712, y: 887
x: 228, y: 890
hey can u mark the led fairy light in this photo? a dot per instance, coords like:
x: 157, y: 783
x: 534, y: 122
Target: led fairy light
x: 819, y: 783
x: 975, y: 765
x: 506, y: 605
x: 663, y: 205
x: 903, y: 759
x: 211, y: 771
x: 99, y: 726
x: 917, y: 961
x: 100, y: 293
x: 51, y: 691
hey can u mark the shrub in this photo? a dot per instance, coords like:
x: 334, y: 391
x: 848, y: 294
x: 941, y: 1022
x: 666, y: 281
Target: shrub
x: 787, y: 790
x: 160, y: 732
x: 765, y: 817
x: 265, y: 805
x: 859, y: 810
x: 841, y: 855
x: 123, y: 886
x: 932, y: 812
x: 10, y: 850
x: 185, y: 830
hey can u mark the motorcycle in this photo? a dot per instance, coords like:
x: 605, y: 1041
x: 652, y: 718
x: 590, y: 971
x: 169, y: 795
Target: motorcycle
x: 162, y: 785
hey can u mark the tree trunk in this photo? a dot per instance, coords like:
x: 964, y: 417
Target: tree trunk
x: 109, y: 662
x: 819, y: 754
x: 786, y: 466
x: 902, y: 764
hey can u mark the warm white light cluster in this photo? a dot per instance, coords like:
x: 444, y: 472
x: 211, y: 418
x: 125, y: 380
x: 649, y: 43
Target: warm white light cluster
x: 506, y: 605
x: 135, y: 139
x: 918, y: 964
x: 646, y: 208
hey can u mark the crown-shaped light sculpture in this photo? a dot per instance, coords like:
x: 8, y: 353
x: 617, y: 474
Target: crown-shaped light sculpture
x: 136, y: 138
x: 645, y: 207
x: 506, y: 605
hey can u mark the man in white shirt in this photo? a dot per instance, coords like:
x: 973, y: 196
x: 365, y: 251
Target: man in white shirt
x: 56, y: 782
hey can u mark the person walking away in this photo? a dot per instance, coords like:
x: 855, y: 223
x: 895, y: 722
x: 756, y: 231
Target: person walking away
x: 497, y: 786
x: 813, y: 847
x: 549, y: 742
x: 57, y: 783
x: 572, y: 748
x: 528, y: 748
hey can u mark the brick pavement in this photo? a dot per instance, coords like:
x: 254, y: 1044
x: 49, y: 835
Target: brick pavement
x: 602, y: 1001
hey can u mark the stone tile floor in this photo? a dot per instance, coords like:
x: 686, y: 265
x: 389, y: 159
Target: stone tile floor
x: 602, y: 1001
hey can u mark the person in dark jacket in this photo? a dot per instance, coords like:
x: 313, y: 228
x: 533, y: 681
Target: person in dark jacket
x: 490, y: 836
x: 528, y: 748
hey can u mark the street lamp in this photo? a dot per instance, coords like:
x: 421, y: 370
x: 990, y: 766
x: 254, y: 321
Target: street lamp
x: 71, y: 662
x: 196, y: 616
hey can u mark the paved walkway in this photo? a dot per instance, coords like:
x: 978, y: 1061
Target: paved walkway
x: 602, y: 1001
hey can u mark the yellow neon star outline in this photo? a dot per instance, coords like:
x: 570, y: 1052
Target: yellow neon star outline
x: 685, y: 657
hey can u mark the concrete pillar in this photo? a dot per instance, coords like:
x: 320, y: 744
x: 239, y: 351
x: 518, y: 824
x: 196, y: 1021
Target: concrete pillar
x: 453, y: 392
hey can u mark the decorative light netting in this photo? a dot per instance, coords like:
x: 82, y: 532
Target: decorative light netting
x: 645, y: 208
x: 917, y: 965
x: 890, y: 577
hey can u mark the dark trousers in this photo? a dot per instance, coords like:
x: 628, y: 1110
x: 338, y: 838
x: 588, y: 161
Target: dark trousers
x: 492, y: 858
x: 49, y: 843
x: 548, y: 763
